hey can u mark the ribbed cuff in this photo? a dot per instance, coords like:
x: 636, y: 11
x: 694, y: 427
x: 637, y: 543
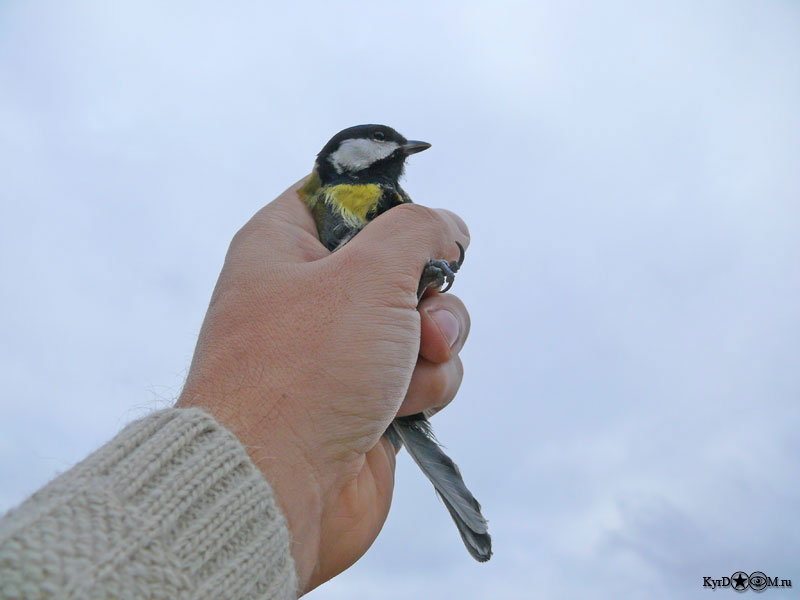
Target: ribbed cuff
x: 171, y: 507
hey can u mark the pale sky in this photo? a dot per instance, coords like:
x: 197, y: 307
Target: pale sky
x: 630, y: 172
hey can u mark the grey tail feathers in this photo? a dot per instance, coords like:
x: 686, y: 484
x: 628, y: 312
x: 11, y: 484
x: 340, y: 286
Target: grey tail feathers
x: 416, y: 433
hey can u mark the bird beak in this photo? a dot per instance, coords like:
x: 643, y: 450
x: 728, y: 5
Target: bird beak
x: 414, y: 146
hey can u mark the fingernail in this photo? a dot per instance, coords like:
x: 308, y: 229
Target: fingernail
x: 448, y: 325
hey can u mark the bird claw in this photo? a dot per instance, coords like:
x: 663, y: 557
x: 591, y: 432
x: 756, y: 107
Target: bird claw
x: 439, y: 271
x: 456, y: 264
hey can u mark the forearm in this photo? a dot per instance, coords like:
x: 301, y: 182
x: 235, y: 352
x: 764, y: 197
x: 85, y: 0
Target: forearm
x: 172, y: 507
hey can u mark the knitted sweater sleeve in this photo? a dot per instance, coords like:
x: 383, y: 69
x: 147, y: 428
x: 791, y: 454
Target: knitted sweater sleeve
x: 172, y: 507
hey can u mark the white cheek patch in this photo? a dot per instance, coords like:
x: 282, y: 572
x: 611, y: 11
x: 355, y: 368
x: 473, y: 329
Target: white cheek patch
x: 357, y: 154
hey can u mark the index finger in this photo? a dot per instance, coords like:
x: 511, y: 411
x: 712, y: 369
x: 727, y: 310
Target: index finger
x: 399, y: 243
x: 284, y: 229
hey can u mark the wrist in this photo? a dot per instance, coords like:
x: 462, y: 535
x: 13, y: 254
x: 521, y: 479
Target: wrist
x: 300, y: 497
x: 283, y: 465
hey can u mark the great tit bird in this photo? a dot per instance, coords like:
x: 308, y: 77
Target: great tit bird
x: 355, y: 179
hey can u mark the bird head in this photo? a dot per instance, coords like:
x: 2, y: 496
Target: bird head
x: 368, y: 153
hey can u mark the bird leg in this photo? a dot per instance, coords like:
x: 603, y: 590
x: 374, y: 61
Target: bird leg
x: 438, y: 272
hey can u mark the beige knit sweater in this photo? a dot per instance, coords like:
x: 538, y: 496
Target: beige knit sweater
x: 171, y: 508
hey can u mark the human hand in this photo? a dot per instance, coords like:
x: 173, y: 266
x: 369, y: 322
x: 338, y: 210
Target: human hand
x: 307, y: 356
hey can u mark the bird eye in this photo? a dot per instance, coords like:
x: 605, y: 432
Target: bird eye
x: 379, y: 135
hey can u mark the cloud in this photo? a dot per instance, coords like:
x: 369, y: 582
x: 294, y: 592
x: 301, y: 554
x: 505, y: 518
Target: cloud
x: 629, y: 175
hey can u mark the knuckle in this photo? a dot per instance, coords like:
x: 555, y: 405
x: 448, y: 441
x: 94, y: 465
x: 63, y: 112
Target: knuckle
x: 238, y: 238
x: 242, y: 237
x: 438, y: 384
x: 459, y: 367
x: 456, y: 376
x: 416, y: 216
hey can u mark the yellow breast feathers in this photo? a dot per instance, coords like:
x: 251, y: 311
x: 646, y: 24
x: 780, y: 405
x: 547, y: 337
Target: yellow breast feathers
x: 352, y: 202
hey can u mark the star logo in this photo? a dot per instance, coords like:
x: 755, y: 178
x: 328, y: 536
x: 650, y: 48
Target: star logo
x: 740, y: 581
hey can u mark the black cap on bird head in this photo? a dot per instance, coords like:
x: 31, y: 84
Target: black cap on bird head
x: 366, y: 153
